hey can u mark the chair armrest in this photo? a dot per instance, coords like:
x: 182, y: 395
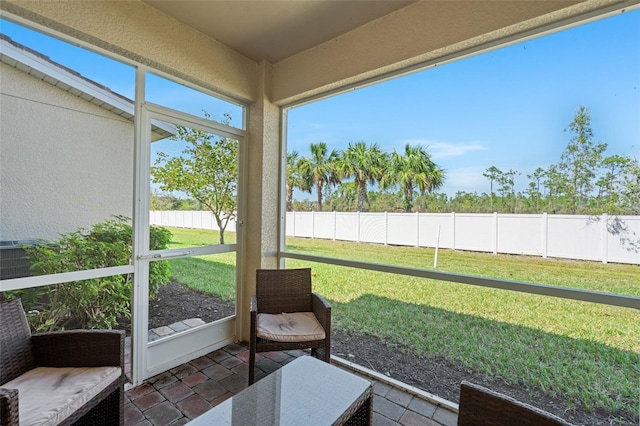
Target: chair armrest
x: 479, y: 405
x: 253, y: 324
x: 322, y: 311
x: 79, y: 348
x: 254, y: 304
x: 9, y: 413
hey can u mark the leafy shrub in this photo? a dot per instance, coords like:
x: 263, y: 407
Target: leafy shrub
x: 93, y: 303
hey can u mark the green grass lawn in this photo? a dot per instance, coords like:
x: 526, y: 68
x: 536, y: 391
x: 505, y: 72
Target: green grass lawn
x: 587, y: 352
x: 196, y: 272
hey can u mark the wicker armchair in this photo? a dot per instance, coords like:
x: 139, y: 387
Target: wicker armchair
x: 280, y: 294
x: 480, y: 406
x: 22, y: 352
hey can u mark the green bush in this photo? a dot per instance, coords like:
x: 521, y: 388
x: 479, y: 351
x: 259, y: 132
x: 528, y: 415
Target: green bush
x: 93, y: 303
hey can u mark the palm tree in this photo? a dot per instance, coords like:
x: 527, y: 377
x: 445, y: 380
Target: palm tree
x: 365, y: 164
x: 321, y: 168
x: 411, y: 170
x: 295, y: 177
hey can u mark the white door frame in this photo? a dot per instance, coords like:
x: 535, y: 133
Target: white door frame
x: 149, y: 359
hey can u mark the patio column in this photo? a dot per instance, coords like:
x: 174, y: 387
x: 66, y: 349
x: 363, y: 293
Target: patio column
x: 262, y: 192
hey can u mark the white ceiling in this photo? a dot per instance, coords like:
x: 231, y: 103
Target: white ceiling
x: 272, y: 29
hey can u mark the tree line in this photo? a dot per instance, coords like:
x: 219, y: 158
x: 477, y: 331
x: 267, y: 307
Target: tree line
x: 362, y: 177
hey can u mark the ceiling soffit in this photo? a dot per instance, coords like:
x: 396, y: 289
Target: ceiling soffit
x: 274, y: 30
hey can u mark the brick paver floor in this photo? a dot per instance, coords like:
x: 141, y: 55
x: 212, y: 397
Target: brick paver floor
x: 183, y: 393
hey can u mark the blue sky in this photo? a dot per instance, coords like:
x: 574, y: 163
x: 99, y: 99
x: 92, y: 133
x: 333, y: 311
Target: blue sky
x: 507, y: 108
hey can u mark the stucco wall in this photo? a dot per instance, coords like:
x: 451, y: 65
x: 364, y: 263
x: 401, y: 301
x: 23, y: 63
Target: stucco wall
x: 64, y: 163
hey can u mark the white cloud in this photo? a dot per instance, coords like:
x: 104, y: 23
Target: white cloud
x: 446, y: 149
x: 467, y: 179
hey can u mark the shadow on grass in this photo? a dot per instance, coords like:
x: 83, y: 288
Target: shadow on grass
x: 578, y: 377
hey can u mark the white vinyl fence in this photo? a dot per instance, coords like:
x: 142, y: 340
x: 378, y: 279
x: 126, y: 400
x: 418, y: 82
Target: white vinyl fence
x: 188, y: 219
x: 599, y: 238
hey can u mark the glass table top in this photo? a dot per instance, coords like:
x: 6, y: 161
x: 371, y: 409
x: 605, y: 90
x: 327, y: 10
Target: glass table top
x: 305, y: 391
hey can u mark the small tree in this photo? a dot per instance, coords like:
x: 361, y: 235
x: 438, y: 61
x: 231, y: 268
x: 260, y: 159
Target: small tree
x: 610, y: 183
x: 344, y: 198
x: 580, y: 160
x: 534, y: 186
x: 207, y: 170
x: 630, y: 192
x: 492, y: 173
x: 506, y: 180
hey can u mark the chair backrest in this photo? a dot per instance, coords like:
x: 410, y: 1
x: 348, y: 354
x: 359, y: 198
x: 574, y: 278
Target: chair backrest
x: 283, y: 290
x: 16, y: 352
x: 480, y: 406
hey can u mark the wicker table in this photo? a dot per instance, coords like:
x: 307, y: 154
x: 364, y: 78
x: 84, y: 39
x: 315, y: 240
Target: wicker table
x: 304, y: 392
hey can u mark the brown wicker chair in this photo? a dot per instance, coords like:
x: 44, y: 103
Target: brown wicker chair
x: 20, y: 352
x: 281, y: 291
x: 480, y: 406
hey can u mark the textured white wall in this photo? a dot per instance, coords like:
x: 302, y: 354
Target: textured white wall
x: 64, y: 163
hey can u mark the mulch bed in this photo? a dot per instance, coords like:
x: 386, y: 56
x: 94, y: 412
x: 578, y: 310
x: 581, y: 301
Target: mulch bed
x: 435, y: 376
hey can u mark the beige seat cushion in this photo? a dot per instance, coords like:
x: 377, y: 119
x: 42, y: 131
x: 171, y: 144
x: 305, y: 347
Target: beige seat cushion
x: 47, y: 396
x: 294, y: 327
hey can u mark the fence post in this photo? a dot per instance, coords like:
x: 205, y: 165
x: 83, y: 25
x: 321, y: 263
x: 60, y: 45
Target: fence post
x: 495, y: 232
x: 604, y: 248
x: 294, y: 223
x: 453, y: 230
x: 335, y: 225
x: 435, y: 254
x: 358, y: 227
x: 545, y: 234
x: 386, y: 228
x: 313, y: 224
x: 417, y: 229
